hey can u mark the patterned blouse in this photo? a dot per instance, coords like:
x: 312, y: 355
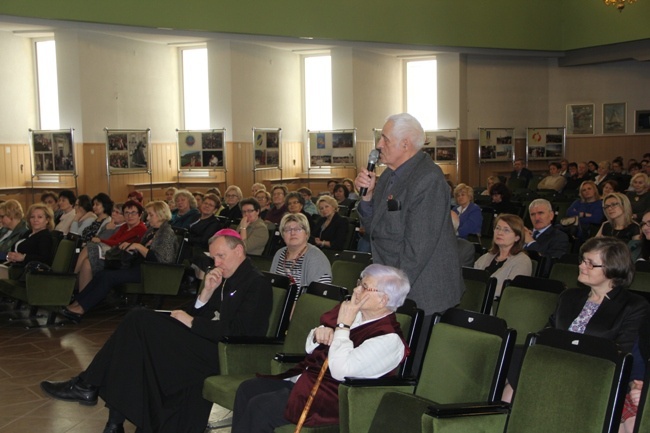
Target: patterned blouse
x: 580, y: 323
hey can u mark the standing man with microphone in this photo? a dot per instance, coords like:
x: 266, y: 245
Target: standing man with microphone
x: 406, y: 213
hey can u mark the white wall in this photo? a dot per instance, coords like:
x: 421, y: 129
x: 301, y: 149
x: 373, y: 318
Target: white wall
x: 17, y: 87
x: 378, y: 90
x: 127, y: 84
x: 266, y: 91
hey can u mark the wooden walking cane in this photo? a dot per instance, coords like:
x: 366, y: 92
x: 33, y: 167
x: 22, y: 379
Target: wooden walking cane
x: 312, y: 394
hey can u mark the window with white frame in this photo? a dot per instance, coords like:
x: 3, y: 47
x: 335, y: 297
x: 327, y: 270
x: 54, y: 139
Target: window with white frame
x: 48, y: 89
x: 422, y: 91
x: 196, y: 97
x: 318, y: 92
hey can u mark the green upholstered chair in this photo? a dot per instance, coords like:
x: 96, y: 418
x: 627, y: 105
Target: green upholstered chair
x: 479, y: 290
x: 263, y: 263
x: 240, y: 358
x: 466, y: 360
x: 354, y: 256
x: 527, y: 302
x: 47, y: 290
x: 565, y: 272
x: 346, y: 273
x: 641, y: 282
x: 410, y: 319
x: 569, y: 382
x: 642, y: 423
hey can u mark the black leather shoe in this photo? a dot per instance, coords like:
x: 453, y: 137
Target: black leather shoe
x: 72, y: 390
x: 70, y: 315
x: 113, y: 428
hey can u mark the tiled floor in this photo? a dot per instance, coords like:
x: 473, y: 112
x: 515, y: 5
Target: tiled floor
x: 28, y: 357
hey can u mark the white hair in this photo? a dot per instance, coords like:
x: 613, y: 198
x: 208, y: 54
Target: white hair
x: 390, y: 281
x: 407, y: 126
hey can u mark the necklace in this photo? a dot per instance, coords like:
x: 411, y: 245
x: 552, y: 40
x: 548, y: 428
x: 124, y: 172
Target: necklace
x: 289, y: 272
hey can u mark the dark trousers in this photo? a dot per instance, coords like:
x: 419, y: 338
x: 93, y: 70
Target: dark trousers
x: 260, y: 404
x: 102, y: 283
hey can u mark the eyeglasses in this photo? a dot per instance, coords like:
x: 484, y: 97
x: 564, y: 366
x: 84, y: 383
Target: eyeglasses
x: 505, y: 230
x: 607, y: 206
x: 292, y: 230
x: 645, y: 224
x: 588, y: 263
x: 248, y: 210
x: 130, y: 213
x: 365, y: 287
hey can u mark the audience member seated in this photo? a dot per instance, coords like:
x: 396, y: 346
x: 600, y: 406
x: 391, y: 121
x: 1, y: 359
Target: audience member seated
x: 198, y: 196
x: 255, y: 188
x: 639, y: 196
x: 501, y: 196
x: 641, y: 354
x: 301, y: 262
x: 342, y: 196
x: 66, y: 202
x: 278, y: 208
x: 84, y: 215
x: 349, y: 184
x: 619, y: 224
x: 252, y: 229
x: 36, y: 244
x: 169, y: 198
x: 232, y: 210
x: 14, y: 226
x: 564, y: 167
x: 605, y: 308
x: 469, y: 213
x: 554, y: 180
x: 91, y: 258
x: 544, y: 238
x: 507, y: 258
x: 51, y: 199
x: 593, y: 168
x: 619, y: 174
x: 491, y: 180
x: 331, y: 228
x: 358, y: 338
x: 159, y: 244
x: 310, y: 206
x: 186, y: 212
x: 295, y: 203
x: 582, y: 174
x: 151, y: 370
x: 117, y: 220
x: 521, y: 172
x: 264, y: 199
x: 205, y: 226
x: 466, y: 249
x: 102, y: 207
x: 608, y: 187
x: 585, y: 211
x: 571, y: 170
x: 604, y: 174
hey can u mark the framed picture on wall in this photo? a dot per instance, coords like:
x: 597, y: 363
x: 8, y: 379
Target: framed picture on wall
x: 334, y: 148
x: 496, y: 144
x: 545, y: 143
x: 201, y: 150
x: 128, y: 150
x: 580, y: 119
x: 642, y: 121
x: 267, y: 144
x: 52, y: 151
x: 614, y: 116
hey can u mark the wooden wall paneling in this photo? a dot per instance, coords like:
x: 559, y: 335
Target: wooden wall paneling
x: 605, y: 147
x: 94, y: 178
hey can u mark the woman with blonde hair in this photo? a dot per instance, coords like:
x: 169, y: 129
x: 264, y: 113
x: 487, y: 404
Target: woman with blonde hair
x: 507, y: 258
x: 11, y: 219
x: 640, y: 195
x: 186, y: 211
x: 588, y: 209
x: 35, y: 245
x: 491, y: 180
x: 619, y: 224
x: 232, y: 197
x: 332, y: 228
x: 469, y: 213
x: 159, y: 244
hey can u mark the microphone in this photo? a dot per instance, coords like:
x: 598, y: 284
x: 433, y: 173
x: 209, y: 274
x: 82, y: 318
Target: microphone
x: 372, y: 161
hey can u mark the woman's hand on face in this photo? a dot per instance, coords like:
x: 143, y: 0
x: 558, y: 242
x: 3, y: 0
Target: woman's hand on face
x: 324, y: 335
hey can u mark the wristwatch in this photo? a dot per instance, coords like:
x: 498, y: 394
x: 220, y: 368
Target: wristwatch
x: 342, y: 326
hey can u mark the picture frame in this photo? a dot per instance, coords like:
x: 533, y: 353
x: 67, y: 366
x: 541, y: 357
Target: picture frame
x: 615, y: 118
x: 496, y: 144
x: 642, y: 121
x: 335, y: 148
x: 53, y: 151
x: 580, y: 119
x: 442, y: 145
x: 267, y: 144
x: 128, y: 150
x: 547, y: 143
x: 201, y: 150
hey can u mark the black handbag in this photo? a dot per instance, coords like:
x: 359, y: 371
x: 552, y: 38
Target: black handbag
x: 117, y: 258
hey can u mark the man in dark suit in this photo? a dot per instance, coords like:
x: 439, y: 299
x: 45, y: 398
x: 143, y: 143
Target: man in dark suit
x: 521, y: 172
x: 406, y: 214
x: 544, y: 238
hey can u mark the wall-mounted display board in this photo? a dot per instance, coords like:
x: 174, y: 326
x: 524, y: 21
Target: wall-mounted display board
x: 496, y: 144
x: 442, y: 145
x: 201, y: 150
x: 128, y: 150
x: 545, y: 143
x: 52, y: 151
x: 266, y: 143
x: 335, y: 148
